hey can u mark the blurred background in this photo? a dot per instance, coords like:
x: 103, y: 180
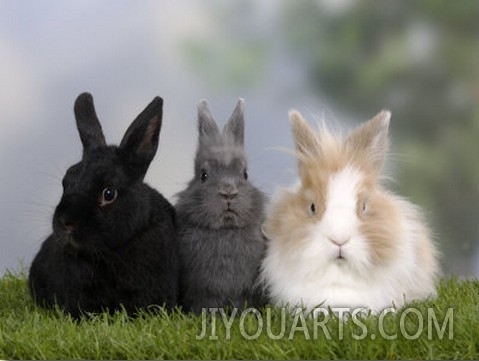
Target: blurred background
x: 336, y: 60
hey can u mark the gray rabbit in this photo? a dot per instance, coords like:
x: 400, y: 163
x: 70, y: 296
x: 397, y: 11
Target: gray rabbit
x: 219, y: 220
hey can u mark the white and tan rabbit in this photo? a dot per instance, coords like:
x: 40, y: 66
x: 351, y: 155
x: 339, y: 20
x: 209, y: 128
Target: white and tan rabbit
x: 339, y: 238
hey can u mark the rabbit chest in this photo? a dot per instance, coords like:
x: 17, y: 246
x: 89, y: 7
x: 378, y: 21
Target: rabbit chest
x: 230, y: 256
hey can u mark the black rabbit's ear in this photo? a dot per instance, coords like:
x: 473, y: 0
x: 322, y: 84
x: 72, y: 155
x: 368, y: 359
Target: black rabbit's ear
x: 140, y: 142
x: 207, y: 127
x: 233, y: 132
x: 88, y: 125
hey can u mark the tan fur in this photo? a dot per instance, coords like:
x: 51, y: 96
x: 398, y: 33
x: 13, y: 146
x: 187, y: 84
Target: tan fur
x: 287, y: 215
x: 381, y: 225
x: 320, y: 155
x: 384, y: 217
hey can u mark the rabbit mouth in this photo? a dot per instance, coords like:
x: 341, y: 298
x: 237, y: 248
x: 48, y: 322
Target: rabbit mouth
x: 229, y: 218
x: 68, y: 241
x: 340, y: 256
x: 229, y: 209
x: 230, y: 213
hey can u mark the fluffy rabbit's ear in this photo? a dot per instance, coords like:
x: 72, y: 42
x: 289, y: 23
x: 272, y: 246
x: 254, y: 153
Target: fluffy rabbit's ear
x: 370, y: 141
x: 233, y: 132
x: 305, y: 139
x: 140, y: 142
x: 207, y: 128
x: 88, y: 125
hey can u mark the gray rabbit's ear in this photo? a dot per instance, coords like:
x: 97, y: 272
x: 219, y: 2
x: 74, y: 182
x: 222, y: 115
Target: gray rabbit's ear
x: 88, y: 125
x: 207, y: 128
x: 140, y: 142
x: 234, y: 129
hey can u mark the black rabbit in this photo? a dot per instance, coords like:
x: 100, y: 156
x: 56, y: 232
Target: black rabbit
x: 114, y: 241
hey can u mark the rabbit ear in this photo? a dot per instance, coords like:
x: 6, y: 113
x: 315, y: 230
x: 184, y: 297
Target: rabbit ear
x: 370, y: 140
x: 305, y: 139
x: 234, y: 130
x: 88, y: 125
x: 140, y: 142
x: 207, y: 127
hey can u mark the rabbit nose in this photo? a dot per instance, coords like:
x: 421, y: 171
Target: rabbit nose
x: 229, y: 195
x: 338, y: 241
x: 68, y: 225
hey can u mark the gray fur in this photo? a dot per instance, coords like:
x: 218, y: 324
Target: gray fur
x: 220, y: 250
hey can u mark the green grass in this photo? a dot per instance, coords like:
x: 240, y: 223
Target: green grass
x: 28, y: 332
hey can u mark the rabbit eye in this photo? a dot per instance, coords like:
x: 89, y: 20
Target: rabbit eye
x: 312, y: 208
x: 108, y: 196
x: 204, y: 176
x: 245, y: 174
x: 364, y: 206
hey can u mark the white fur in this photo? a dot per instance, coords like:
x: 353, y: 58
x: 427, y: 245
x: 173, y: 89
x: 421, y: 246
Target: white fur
x: 311, y: 274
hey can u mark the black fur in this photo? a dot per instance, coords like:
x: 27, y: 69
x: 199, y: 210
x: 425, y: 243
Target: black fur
x: 106, y: 254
